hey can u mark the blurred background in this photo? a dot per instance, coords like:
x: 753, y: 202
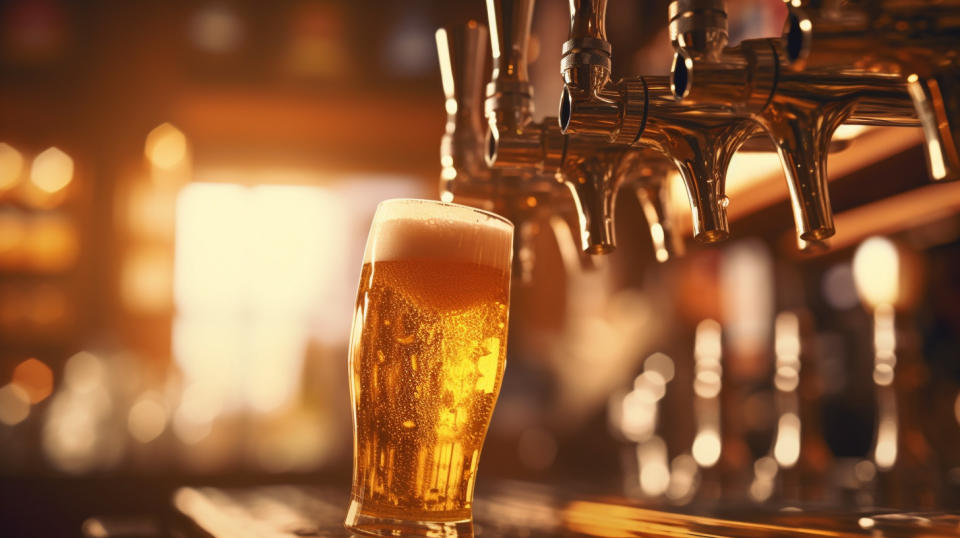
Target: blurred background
x: 185, y: 192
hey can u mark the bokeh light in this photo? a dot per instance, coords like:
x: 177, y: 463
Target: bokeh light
x: 146, y: 279
x: 216, y: 29
x: 706, y: 448
x: 52, y: 170
x: 654, y: 472
x: 147, y: 418
x: 14, y: 404
x: 52, y: 244
x: 34, y: 377
x: 787, y: 448
x: 84, y: 372
x: 876, y: 272
x: 11, y: 166
x: 838, y: 287
x: 166, y: 147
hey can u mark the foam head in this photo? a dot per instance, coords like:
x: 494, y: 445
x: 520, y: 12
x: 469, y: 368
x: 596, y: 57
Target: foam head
x: 406, y: 229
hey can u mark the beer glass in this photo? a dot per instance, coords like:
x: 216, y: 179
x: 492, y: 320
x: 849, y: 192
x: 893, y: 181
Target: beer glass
x: 427, y: 354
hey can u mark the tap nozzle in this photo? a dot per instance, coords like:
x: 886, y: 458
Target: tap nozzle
x: 594, y: 184
x: 462, y: 54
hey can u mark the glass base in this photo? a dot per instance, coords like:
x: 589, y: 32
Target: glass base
x: 371, y: 525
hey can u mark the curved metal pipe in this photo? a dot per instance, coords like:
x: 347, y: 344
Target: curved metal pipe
x: 700, y: 140
x: 916, y: 41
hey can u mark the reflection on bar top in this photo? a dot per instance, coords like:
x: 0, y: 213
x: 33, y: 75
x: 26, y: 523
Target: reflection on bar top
x: 513, y: 509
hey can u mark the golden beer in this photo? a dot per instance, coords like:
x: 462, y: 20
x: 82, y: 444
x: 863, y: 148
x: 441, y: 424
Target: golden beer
x: 427, y: 356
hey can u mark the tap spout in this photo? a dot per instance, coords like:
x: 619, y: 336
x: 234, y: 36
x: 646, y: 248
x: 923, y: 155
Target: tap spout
x: 700, y: 140
x: 594, y: 183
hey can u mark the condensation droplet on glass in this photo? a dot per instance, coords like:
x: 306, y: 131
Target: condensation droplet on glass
x: 724, y: 201
x: 408, y: 424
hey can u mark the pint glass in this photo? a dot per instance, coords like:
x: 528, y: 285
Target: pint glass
x: 427, y: 354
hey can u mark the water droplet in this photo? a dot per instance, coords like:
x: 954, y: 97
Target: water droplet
x: 380, y: 356
x: 724, y: 201
x: 386, y: 322
x: 408, y: 424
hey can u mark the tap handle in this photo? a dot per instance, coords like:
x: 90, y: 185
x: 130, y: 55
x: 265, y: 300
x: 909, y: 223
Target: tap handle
x: 699, y: 27
x: 588, y: 19
x: 510, y: 36
x: 587, y: 47
x: 509, y: 105
x: 462, y: 58
x: 462, y: 54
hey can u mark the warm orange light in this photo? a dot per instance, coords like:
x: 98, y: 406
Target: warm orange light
x: 150, y: 210
x: 266, y: 250
x: 52, y: 170
x: 13, y: 231
x: 11, y: 166
x: 166, y: 147
x: 146, y: 281
x: 34, y: 377
x: 52, y: 243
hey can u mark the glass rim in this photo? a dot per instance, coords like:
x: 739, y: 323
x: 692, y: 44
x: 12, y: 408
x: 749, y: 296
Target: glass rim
x: 458, y: 207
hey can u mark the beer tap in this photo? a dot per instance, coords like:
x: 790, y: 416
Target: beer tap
x: 592, y: 171
x: 641, y: 112
x: 912, y: 40
x: 799, y: 111
x: 465, y: 177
